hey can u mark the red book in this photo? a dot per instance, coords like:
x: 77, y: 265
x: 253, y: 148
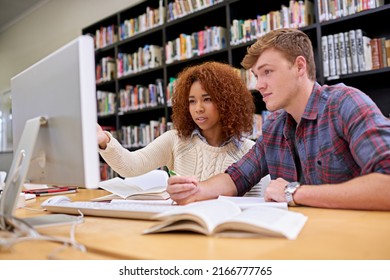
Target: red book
x: 52, y: 190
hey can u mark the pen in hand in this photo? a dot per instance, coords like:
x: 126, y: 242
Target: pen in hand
x: 172, y: 173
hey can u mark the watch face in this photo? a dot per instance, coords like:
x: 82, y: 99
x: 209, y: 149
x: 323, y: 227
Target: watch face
x: 291, y: 187
x: 289, y: 191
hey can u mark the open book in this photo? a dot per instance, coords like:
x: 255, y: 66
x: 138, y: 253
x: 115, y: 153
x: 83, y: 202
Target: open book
x: 221, y: 217
x: 149, y: 186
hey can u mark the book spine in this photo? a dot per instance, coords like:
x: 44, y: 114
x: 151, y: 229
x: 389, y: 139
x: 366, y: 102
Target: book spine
x: 367, y: 52
x: 375, y: 53
x: 337, y: 53
x: 331, y: 56
x: 348, y: 52
x: 360, y: 49
x: 387, y: 46
x: 383, y: 52
x: 325, y: 55
x: 354, y: 56
x: 343, y: 57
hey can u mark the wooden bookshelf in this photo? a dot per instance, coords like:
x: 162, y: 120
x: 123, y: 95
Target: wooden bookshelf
x: 222, y: 14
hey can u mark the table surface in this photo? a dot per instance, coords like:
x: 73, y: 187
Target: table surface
x: 327, y: 235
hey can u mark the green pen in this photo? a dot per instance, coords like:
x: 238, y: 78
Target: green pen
x: 172, y: 173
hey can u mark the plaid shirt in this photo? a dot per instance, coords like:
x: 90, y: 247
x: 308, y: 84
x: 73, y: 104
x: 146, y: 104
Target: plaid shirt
x: 342, y: 135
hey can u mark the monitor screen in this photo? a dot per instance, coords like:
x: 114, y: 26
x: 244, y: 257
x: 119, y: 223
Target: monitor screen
x: 60, y: 87
x: 60, y: 90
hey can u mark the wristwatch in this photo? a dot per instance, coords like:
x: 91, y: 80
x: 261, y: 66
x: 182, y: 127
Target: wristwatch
x: 289, y: 190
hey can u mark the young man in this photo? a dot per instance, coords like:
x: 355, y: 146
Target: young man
x: 324, y: 146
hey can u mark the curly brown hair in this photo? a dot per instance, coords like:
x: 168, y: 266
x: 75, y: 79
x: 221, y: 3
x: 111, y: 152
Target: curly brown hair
x: 229, y: 93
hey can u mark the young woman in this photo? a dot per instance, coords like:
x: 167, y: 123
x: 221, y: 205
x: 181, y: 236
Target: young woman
x: 212, y: 114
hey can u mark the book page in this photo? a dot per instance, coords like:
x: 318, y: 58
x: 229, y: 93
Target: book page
x: 249, y: 201
x: 183, y: 222
x: 141, y: 196
x: 154, y: 181
x: 264, y: 221
x: 208, y: 212
x: 147, y: 201
x: 118, y: 187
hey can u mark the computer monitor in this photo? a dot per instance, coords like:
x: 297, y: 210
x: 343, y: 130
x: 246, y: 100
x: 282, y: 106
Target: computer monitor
x: 54, y: 106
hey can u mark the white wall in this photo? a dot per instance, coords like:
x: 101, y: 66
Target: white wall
x: 46, y: 29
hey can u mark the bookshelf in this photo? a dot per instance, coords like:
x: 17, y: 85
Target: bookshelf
x: 224, y: 14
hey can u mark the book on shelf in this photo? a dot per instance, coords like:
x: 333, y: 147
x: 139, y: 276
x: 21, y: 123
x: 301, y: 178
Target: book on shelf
x: 343, y: 57
x: 383, y: 51
x: 156, y: 56
x: 325, y: 53
x: 367, y: 52
x: 360, y: 50
x: 149, y: 186
x: 375, y: 52
x: 106, y: 172
x: 331, y: 56
x: 387, y: 46
x: 336, y: 49
x: 224, y: 218
x: 348, y: 52
x: 354, y: 51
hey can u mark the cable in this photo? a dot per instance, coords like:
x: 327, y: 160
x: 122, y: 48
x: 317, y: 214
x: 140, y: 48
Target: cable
x: 20, y: 231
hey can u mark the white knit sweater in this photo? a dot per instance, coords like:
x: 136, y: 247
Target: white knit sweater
x: 189, y: 156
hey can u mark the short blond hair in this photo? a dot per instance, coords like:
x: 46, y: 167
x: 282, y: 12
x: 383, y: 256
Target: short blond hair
x: 290, y: 42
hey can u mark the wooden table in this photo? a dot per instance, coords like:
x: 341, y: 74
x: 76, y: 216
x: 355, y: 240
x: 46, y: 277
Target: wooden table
x: 327, y: 235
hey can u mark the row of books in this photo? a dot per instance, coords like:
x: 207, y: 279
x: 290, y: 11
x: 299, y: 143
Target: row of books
x: 332, y: 9
x: 140, y: 97
x: 148, y: 20
x: 297, y: 14
x: 106, y: 172
x: 153, y: 17
x: 196, y: 44
x: 105, y: 103
x: 248, y: 78
x: 105, y: 69
x: 105, y: 36
x: 150, y: 56
x: 169, y: 90
x: 137, y: 136
x: 180, y: 8
x: 352, y: 51
x: 147, y: 57
x: 380, y: 52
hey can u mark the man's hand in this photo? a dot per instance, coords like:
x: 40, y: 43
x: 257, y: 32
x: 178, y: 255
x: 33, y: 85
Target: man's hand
x: 183, y: 189
x: 275, y: 190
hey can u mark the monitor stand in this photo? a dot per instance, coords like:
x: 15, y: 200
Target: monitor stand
x: 19, y: 169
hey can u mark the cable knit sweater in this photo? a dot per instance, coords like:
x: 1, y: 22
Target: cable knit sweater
x: 189, y: 156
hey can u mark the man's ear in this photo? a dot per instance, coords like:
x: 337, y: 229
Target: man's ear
x: 301, y: 64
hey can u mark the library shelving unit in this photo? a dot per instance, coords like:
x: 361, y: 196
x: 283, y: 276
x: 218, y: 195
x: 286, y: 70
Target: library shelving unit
x: 177, y: 23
